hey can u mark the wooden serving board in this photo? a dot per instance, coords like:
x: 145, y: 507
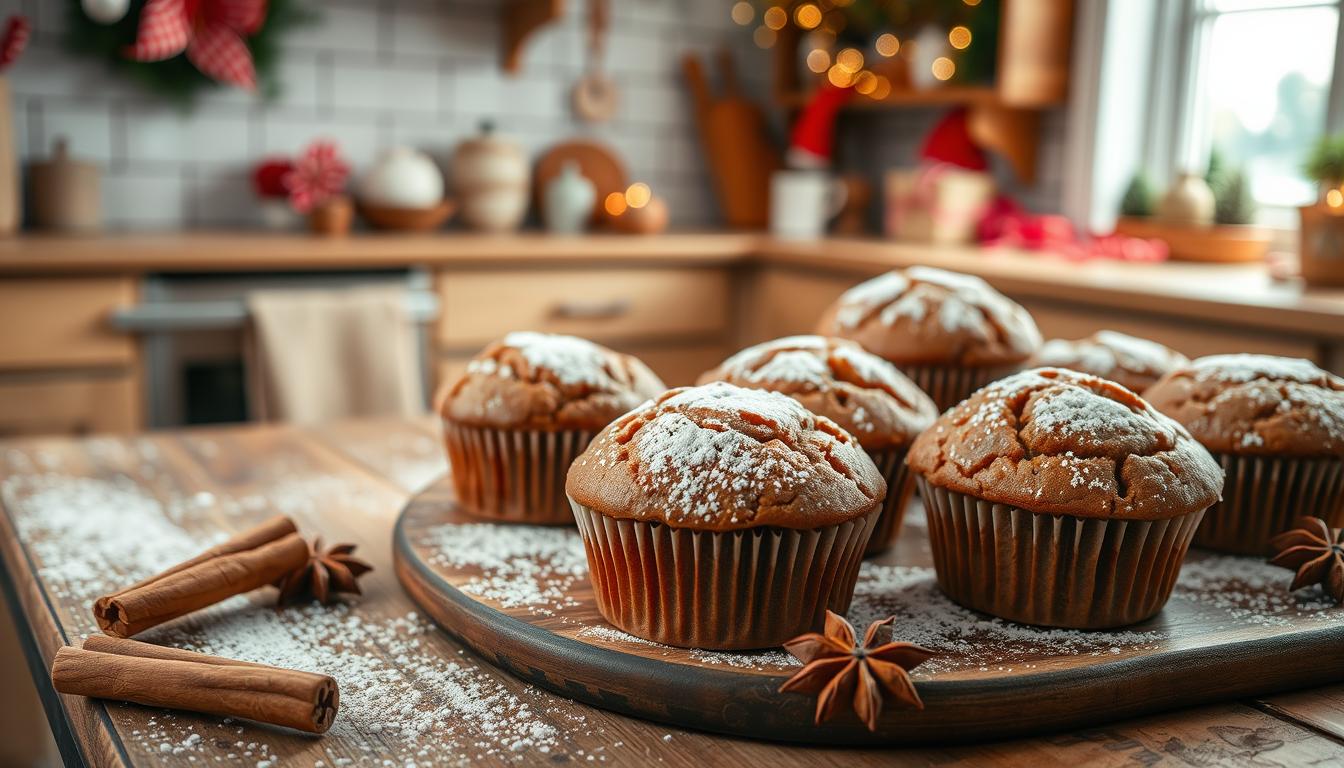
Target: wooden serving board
x: 520, y: 597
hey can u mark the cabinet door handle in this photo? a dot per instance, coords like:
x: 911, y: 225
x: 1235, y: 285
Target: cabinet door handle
x: 591, y: 310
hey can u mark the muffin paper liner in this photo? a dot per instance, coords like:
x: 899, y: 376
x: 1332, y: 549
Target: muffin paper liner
x: 950, y: 384
x: 1053, y: 570
x: 753, y: 588
x: 900, y: 486
x: 1265, y: 495
x: 513, y: 475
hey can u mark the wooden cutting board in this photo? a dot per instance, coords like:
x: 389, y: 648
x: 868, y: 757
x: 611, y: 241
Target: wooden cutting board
x: 735, y: 142
x: 520, y: 597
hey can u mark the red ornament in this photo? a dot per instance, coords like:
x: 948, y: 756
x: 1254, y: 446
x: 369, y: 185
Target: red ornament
x: 211, y: 32
x: 268, y: 179
x: 318, y: 176
x: 950, y: 142
x: 17, y: 30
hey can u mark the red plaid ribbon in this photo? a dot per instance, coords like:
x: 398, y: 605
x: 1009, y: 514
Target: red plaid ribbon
x: 15, y: 40
x: 211, y: 32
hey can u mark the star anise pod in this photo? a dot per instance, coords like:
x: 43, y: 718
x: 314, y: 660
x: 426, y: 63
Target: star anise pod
x: 838, y: 669
x: 326, y: 574
x: 1317, y: 552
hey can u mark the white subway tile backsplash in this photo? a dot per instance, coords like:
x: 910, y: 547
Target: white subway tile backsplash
x: 289, y: 135
x: 382, y: 88
x: 88, y: 130
x: 211, y: 135
x: 339, y: 28
x: 143, y: 199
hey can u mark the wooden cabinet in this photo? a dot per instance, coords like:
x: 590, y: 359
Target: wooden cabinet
x: 678, y: 320
x: 62, y: 369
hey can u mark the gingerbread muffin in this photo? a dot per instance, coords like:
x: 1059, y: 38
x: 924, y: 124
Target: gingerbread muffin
x: 1061, y: 499
x: 526, y: 407
x: 858, y: 390
x: 1129, y: 361
x: 723, y: 517
x: 1276, y: 425
x: 951, y: 333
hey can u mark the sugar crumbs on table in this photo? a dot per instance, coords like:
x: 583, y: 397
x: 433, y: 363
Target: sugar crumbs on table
x: 521, y: 566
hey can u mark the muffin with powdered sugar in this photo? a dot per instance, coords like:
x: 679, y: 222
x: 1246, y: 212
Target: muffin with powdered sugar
x: 1061, y: 499
x: 723, y: 517
x: 864, y: 394
x: 1129, y: 361
x: 1276, y: 424
x: 526, y: 406
x: 950, y: 333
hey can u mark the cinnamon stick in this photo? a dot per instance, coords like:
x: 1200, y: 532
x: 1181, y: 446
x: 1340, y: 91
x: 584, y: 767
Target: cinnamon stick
x: 251, y: 559
x: 128, y: 670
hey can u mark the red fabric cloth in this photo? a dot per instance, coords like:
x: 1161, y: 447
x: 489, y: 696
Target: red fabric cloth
x: 212, y: 33
x: 1008, y: 224
x: 813, y: 135
x: 950, y: 142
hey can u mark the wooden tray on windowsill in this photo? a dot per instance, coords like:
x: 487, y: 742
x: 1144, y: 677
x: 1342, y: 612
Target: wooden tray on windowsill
x: 1235, y: 636
x: 1222, y: 244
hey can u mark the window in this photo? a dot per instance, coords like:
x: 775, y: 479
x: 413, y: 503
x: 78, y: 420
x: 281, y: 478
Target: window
x: 1258, y: 87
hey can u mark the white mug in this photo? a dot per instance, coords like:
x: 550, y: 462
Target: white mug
x: 803, y: 202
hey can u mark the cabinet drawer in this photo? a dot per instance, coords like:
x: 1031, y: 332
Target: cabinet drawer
x: 602, y: 305
x: 676, y: 364
x: 61, y: 322
x: 68, y: 404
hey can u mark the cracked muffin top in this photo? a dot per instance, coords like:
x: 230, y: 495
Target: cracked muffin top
x: 1058, y: 442
x: 835, y: 378
x: 925, y: 315
x: 547, y: 382
x: 720, y: 458
x: 1129, y: 361
x: 1256, y: 405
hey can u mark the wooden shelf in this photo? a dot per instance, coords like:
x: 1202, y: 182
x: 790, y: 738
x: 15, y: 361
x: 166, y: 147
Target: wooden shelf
x: 952, y: 95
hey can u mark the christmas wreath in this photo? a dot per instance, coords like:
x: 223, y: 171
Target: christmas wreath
x: 177, y: 48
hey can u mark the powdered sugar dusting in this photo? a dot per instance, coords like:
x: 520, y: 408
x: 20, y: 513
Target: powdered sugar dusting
x: 572, y: 360
x: 521, y: 566
x: 858, y: 302
x: 1243, y: 368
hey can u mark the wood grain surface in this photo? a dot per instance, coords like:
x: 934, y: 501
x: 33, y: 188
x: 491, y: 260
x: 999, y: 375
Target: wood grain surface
x: 1228, y: 615
x: 348, y: 482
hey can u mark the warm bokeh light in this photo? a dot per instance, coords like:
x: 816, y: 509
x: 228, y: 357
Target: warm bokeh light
x: 743, y: 13
x: 881, y: 89
x: 615, y: 204
x: 764, y: 37
x: 1334, y: 198
x: 865, y: 83
x: 849, y: 60
x: 943, y: 68
x: 775, y: 17
x: 971, y: 3
x: 839, y: 77
x: 959, y: 37
x: 843, y: 3
x: 818, y: 60
x: 887, y: 44
x: 638, y: 195
x: 807, y: 16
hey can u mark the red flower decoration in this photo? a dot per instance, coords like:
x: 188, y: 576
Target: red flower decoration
x: 268, y: 179
x: 17, y: 30
x: 318, y: 176
x: 211, y: 32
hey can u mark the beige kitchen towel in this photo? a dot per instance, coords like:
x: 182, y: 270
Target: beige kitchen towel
x: 318, y: 356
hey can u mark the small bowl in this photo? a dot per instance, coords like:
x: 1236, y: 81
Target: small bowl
x: 408, y: 219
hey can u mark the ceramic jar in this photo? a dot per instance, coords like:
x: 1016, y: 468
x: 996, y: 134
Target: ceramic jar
x: 568, y: 202
x: 491, y: 178
x: 65, y: 193
x: 402, y: 178
x: 1189, y: 202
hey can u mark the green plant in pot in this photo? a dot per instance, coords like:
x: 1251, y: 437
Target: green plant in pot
x: 1322, y: 234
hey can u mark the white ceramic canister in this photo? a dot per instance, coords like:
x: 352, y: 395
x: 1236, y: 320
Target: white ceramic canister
x: 491, y: 178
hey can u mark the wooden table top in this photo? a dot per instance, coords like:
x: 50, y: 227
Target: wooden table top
x: 84, y: 515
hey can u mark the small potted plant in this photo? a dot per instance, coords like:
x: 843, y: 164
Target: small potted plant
x: 1322, y: 234
x: 1230, y: 237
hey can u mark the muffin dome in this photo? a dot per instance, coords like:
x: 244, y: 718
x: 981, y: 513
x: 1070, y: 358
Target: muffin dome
x: 1256, y: 405
x: 1063, y: 443
x: 925, y: 315
x: 837, y: 379
x: 1129, y: 361
x: 721, y: 458
x: 547, y: 381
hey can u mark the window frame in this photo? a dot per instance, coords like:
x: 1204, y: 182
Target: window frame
x: 1175, y: 142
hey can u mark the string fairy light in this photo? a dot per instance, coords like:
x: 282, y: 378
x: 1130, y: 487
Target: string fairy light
x: 743, y: 12
x: 887, y: 45
x: 959, y: 37
x: 943, y: 68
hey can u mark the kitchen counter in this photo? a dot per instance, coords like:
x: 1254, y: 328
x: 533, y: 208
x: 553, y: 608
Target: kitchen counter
x: 76, y: 517
x: 1242, y: 295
